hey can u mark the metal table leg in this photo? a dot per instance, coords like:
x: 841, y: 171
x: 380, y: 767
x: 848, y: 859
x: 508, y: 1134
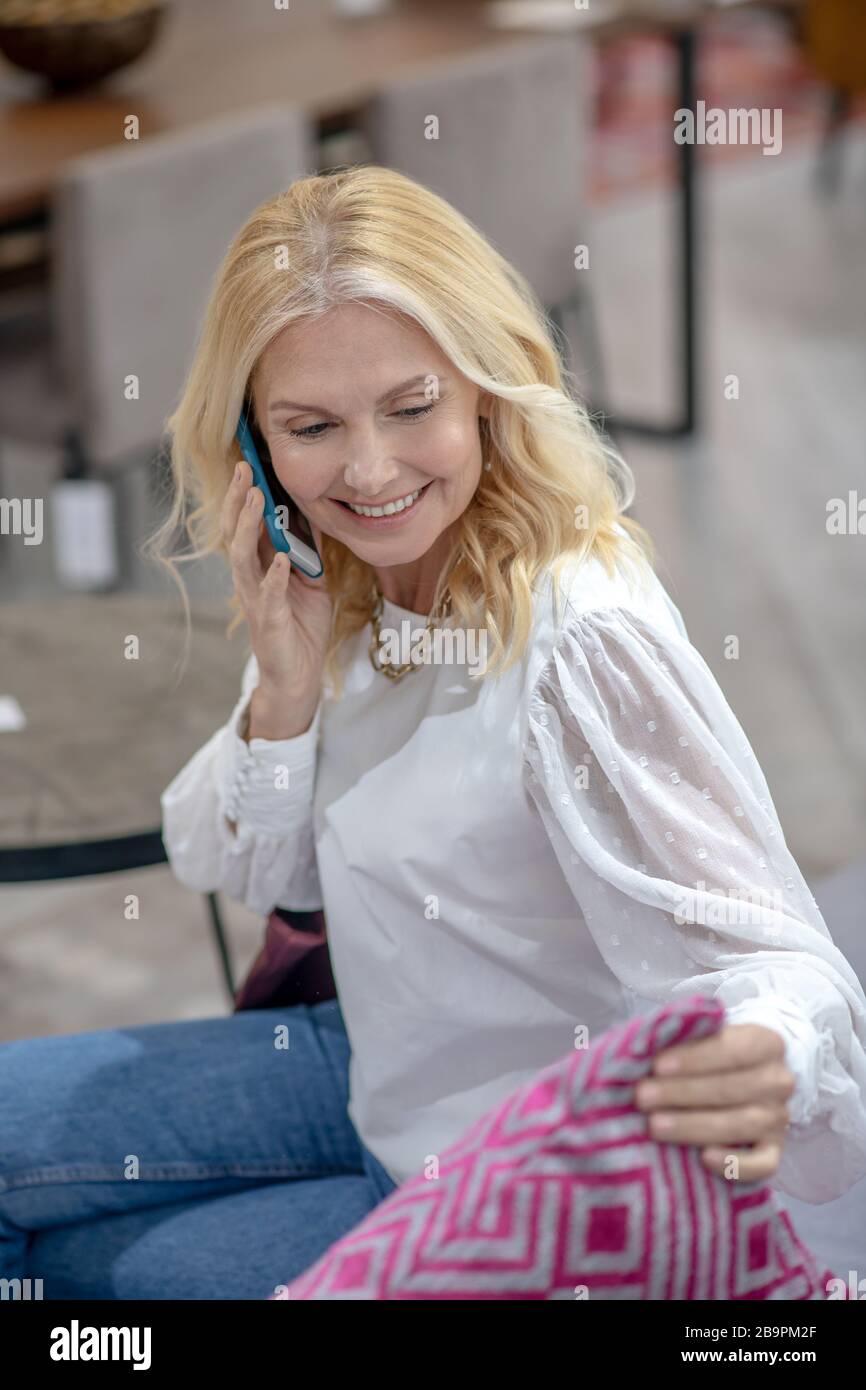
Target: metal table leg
x: 686, y: 250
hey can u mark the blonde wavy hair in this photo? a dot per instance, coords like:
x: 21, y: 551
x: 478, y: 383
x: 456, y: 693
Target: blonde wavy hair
x: 555, y: 488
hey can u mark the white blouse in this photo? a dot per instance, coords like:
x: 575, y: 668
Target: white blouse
x: 504, y: 862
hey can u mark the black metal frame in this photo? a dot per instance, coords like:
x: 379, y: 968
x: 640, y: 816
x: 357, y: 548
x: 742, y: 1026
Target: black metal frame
x: 686, y: 421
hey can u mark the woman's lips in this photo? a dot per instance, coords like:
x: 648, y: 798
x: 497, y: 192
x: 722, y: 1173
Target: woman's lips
x: 379, y: 523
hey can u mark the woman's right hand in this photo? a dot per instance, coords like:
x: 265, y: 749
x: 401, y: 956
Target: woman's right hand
x: 288, y: 615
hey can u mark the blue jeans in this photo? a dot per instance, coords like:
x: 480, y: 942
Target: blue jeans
x: 186, y: 1160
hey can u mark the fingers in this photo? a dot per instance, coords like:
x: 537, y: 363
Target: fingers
x: 247, y: 568
x: 728, y: 1090
x: 262, y: 576
x: 745, y: 1165
x: 234, y: 499
x: 771, y: 1081
x: 265, y: 549
x: 747, y: 1124
x: 273, y: 593
x: 736, y: 1045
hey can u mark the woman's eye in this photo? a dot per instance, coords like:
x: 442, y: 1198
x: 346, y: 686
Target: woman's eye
x: 412, y: 412
x: 310, y: 431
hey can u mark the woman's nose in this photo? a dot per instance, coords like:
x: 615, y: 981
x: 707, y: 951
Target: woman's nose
x: 369, y: 471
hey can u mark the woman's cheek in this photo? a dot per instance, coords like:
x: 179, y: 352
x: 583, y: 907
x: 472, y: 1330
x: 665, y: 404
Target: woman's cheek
x: 304, y: 484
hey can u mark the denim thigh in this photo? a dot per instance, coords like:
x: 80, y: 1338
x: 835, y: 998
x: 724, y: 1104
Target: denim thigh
x: 123, y: 1120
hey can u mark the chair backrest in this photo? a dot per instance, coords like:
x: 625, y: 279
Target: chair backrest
x: 138, y: 232
x: 510, y: 152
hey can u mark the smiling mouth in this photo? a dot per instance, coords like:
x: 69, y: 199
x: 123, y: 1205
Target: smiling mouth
x: 392, y: 508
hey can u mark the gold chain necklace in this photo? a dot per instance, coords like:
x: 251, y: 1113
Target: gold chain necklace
x: 391, y: 669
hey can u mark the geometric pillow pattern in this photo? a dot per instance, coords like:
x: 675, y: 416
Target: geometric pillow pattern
x: 560, y: 1192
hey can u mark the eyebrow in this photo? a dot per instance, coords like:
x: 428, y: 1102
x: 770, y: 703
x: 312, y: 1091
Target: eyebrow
x: 386, y: 396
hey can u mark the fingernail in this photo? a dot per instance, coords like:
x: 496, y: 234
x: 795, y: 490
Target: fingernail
x: 251, y: 496
x: 662, y: 1122
x: 649, y: 1094
x: 238, y: 474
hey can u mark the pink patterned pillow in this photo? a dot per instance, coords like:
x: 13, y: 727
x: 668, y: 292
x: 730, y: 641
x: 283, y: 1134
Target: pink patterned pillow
x: 561, y: 1193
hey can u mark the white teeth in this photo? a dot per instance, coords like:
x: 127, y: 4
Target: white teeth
x: 389, y: 508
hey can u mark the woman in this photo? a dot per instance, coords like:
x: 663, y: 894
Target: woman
x: 508, y: 857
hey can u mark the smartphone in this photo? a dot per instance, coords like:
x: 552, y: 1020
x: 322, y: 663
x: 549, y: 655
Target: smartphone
x: 302, y: 552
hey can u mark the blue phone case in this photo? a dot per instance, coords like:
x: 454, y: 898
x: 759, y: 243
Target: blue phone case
x: 304, y: 555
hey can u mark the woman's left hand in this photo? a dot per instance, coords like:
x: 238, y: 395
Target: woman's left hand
x: 727, y: 1091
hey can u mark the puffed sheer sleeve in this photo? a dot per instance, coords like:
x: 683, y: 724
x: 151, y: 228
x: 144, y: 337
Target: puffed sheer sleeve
x: 665, y: 829
x: 265, y: 788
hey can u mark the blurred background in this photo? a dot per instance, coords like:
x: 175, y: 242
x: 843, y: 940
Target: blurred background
x: 709, y: 297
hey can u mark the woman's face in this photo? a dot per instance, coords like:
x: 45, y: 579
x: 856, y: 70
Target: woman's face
x: 360, y: 405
